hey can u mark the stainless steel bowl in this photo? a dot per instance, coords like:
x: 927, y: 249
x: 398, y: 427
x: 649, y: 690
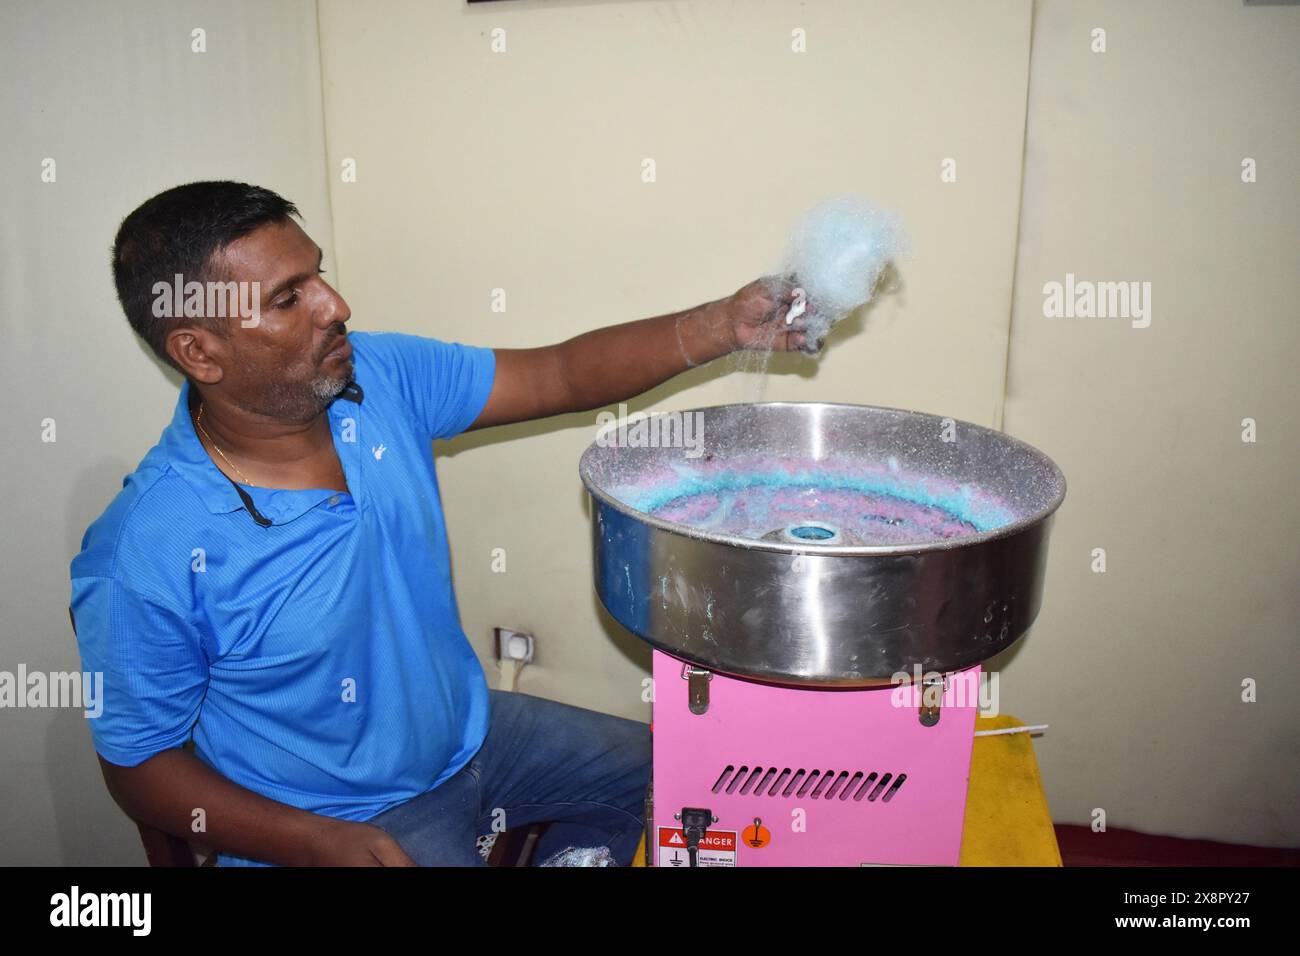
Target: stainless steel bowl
x: 839, y: 614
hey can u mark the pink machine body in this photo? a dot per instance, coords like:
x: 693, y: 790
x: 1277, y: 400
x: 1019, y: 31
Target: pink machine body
x: 798, y: 776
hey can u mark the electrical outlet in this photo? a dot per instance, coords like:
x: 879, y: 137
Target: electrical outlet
x: 514, y: 645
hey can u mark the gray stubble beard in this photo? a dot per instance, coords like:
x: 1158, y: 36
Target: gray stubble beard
x: 287, y: 402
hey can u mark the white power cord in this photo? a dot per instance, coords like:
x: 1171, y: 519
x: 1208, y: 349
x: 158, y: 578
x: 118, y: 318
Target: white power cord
x: 508, y: 674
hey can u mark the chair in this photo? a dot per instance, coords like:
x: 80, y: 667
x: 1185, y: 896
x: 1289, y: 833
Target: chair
x: 163, y: 849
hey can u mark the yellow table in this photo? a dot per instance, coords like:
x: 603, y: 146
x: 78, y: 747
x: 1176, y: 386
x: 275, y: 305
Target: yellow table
x: 1007, y: 820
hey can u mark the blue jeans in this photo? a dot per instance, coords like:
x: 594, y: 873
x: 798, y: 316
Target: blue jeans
x: 583, y: 771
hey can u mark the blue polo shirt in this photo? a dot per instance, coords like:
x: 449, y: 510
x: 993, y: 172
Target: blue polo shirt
x: 309, y: 641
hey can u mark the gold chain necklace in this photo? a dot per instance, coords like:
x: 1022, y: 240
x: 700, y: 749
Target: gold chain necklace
x: 198, y: 420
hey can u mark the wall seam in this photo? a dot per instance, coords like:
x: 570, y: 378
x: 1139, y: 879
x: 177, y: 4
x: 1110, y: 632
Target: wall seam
x: 1020, y: 212
x: 325, y: 150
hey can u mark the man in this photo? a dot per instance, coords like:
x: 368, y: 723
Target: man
x: 273, y: 579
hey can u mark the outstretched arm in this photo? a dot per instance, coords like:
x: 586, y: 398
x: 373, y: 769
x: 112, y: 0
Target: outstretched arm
x: 611, y: 364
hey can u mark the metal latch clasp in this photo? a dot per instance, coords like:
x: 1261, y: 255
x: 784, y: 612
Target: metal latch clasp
x: 931, y: 699
x: 697, y: 688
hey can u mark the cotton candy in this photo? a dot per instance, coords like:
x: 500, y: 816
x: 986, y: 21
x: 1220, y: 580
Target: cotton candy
x: 837, y: 253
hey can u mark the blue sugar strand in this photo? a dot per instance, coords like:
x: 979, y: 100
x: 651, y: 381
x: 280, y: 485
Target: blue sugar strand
x: 960, y: 504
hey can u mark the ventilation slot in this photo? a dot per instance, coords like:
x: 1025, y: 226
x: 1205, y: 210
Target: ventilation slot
x: 813, y: 784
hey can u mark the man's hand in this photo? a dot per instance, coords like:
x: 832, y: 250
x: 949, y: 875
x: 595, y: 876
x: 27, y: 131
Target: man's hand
x: 755, y: 315
x: 345, y: 843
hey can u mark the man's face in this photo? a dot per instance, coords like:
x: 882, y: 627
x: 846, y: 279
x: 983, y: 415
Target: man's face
x: 292, y: 362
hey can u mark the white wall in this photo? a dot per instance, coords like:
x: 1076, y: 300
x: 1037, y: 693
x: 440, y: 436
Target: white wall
x: 1133, y: 172
x: 113, y: 93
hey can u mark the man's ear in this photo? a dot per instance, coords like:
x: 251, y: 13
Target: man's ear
x: 191, y: 348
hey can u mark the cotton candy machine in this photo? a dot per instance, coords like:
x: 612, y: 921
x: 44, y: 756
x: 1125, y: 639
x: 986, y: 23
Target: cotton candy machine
x: 820, y: 584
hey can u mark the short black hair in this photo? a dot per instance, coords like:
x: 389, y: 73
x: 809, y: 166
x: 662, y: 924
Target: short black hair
x: 179, y: 231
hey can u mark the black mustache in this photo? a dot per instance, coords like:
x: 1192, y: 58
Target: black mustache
x: 329, y: 346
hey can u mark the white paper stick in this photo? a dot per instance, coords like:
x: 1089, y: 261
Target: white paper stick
x: 1011, y: 730
x: 800, y: 304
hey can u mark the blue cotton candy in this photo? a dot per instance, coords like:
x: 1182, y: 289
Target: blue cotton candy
x: 837, y: 254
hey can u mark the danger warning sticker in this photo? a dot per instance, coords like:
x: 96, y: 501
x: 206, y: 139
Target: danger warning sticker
x: 717, y: 848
